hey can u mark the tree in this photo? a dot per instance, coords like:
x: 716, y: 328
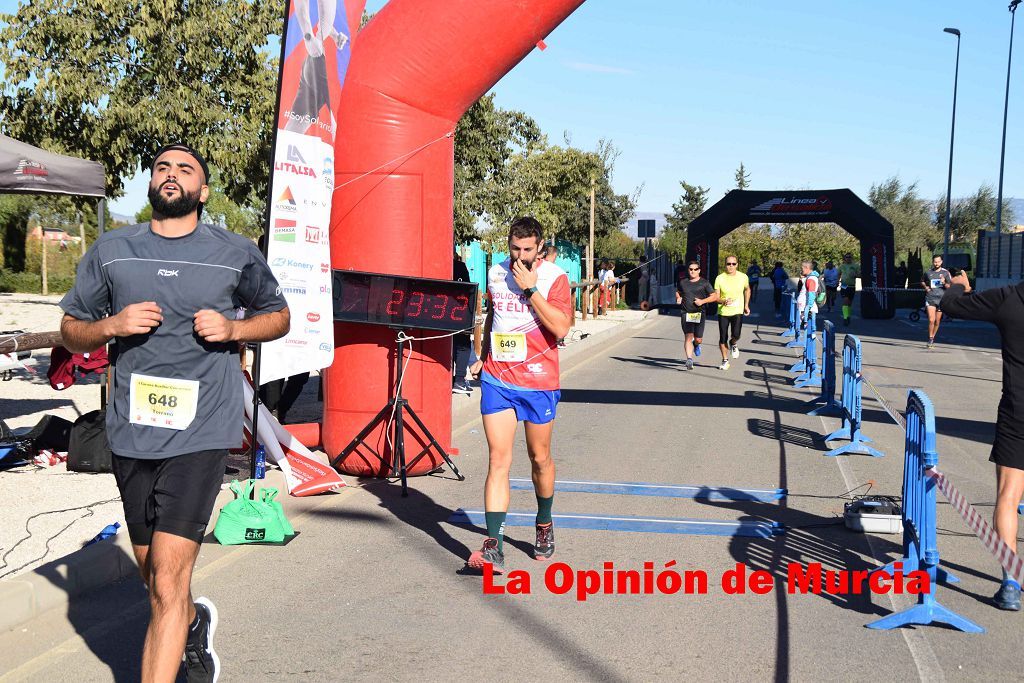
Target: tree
x: 486, y: 137
x: 742, y: 178
x: 112, y: 80
x: 751, y: 243
x: 552, y: 184
x: 971, y: 214
x: 618, y: 246
x: 690, y: 205
x: 909, y: 214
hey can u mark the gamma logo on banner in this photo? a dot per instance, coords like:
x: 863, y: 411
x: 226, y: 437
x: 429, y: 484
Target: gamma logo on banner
x: 302, y: 184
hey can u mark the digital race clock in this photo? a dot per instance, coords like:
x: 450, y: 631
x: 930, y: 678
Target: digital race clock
x: 400, y: 301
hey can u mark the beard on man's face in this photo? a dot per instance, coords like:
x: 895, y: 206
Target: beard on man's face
x: 182, y: 205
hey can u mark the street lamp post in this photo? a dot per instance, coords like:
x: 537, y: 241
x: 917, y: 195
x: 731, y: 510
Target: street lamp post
x: 1006, y: 109
x: 952, y: 131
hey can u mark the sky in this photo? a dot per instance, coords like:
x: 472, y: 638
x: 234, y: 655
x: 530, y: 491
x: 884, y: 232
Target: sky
x: 805, y: 94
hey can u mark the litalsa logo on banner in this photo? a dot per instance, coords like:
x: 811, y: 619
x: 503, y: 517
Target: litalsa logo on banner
x: 284, y: 230
x: 788, y: 206
x: 295, y: 164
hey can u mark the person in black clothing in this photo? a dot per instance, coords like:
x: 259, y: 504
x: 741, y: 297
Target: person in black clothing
x: 779, y: 281
x: 692, y: 293
x: 461, y: 342
x: 1003, y: 307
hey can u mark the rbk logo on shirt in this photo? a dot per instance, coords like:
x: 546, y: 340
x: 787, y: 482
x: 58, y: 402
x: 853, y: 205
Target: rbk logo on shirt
x: 167, y: 273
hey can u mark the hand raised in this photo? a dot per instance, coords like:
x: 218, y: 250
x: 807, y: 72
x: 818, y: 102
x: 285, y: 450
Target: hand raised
x: 524, y: 277
x: 212, y: 326
x: 137, y: 318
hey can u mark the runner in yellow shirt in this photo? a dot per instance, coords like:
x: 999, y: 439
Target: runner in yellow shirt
x: 733, y: 289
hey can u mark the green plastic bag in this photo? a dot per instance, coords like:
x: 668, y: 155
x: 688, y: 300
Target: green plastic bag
x: 248, y: 521
x: 267, y: 495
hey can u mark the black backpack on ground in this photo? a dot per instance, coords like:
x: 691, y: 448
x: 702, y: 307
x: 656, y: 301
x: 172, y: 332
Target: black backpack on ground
x: 89, y: 450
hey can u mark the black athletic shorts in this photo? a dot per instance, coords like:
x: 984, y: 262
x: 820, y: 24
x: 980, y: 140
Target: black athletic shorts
x: 847, y: 292
x: 174, y: 495
x: 696, y: 329
x: 727, y: 322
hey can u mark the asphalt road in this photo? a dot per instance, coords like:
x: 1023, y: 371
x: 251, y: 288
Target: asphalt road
x: 374, y: 588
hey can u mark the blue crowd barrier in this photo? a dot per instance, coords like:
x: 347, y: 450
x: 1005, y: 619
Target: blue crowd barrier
x: 811, y: 376
x: 801, y: 318
x: 851, y: 402
x: 827, y: 368
x: 791, y: 317
x: 920, y: 547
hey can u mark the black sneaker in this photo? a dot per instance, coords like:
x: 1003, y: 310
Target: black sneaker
x: 201, y: 662
x: 544, y: 548
x: 461, y: 388
x: 488, y: 554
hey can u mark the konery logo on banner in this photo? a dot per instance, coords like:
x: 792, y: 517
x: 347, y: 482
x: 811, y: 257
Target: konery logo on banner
x: 281, y: 262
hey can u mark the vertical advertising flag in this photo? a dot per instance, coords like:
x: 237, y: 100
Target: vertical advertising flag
x: 315, y: 58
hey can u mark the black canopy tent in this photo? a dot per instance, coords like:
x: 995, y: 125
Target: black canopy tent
x: 841, y: 207
x: 25, y: 169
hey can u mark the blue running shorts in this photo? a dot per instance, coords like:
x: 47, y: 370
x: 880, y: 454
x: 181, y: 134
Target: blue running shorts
x: 533, y: 406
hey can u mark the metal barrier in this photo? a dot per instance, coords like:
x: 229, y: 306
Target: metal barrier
x: 811, y: 375
x: 851, y: 404
x: 827, y: 368
x: 791, y: 317
x: 920, y: 548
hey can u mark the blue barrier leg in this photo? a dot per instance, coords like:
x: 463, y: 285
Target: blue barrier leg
x: 930, y: 613
x: 832, y: 408
x: 858, y: 447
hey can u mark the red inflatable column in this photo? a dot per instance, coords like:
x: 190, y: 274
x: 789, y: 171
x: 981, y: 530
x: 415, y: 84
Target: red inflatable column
x: 415, y: 69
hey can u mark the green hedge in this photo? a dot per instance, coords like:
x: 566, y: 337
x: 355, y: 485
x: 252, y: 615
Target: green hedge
x: 32, y: 283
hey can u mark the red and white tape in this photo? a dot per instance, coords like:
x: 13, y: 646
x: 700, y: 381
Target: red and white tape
x: 1009, y: 560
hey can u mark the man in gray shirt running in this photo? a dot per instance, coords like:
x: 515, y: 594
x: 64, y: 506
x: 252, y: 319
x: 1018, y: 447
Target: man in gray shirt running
x: 164, y: 293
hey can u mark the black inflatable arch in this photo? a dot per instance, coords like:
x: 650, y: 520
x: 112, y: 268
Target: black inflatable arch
x: 842, y: 207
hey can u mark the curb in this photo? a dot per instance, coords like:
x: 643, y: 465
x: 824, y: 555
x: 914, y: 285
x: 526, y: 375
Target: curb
x: 52, y: 585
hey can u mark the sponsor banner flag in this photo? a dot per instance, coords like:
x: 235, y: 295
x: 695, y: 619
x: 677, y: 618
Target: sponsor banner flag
x: 316, y: 54
x: 304, y: 473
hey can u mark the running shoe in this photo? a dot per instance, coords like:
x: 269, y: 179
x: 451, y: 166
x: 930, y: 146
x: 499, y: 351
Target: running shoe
x: 544, y: 548
x: 735, y: 351
x: 724, y: 365
x: 931, y: 343
x: 696, y: 350
x: 1008, y: 596
x: 689, y: 364
x: 201, y: 662
x: 461, y: 388
x: 488, y: 554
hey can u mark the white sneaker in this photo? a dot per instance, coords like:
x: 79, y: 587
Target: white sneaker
x: 735, y: 351
x: 689, y: 364
x: 724, y: 365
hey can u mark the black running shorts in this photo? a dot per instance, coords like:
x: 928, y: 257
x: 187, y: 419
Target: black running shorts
x: 727, y: 323
x: 175, y: 495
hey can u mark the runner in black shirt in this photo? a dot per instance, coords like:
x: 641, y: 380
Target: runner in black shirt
x: 692, y: 294
x: 1005, y: 308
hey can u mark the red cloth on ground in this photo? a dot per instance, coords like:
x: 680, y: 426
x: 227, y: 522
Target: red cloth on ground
x: 64, y: 365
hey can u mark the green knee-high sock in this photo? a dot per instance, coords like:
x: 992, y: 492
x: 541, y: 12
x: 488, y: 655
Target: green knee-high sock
x: 544, y: 509
x: 496, y: 526
x: 846, y: 311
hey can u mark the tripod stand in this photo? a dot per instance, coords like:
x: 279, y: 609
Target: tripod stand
x: 397, y: 407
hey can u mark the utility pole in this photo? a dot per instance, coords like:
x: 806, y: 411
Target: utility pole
x: 590, y: 261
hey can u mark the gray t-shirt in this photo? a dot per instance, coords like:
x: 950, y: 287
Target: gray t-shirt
x: 937, y: 280
x: 172, y: 368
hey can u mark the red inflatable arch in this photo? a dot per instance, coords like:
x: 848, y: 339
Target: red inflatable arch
x: 415, y: 69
